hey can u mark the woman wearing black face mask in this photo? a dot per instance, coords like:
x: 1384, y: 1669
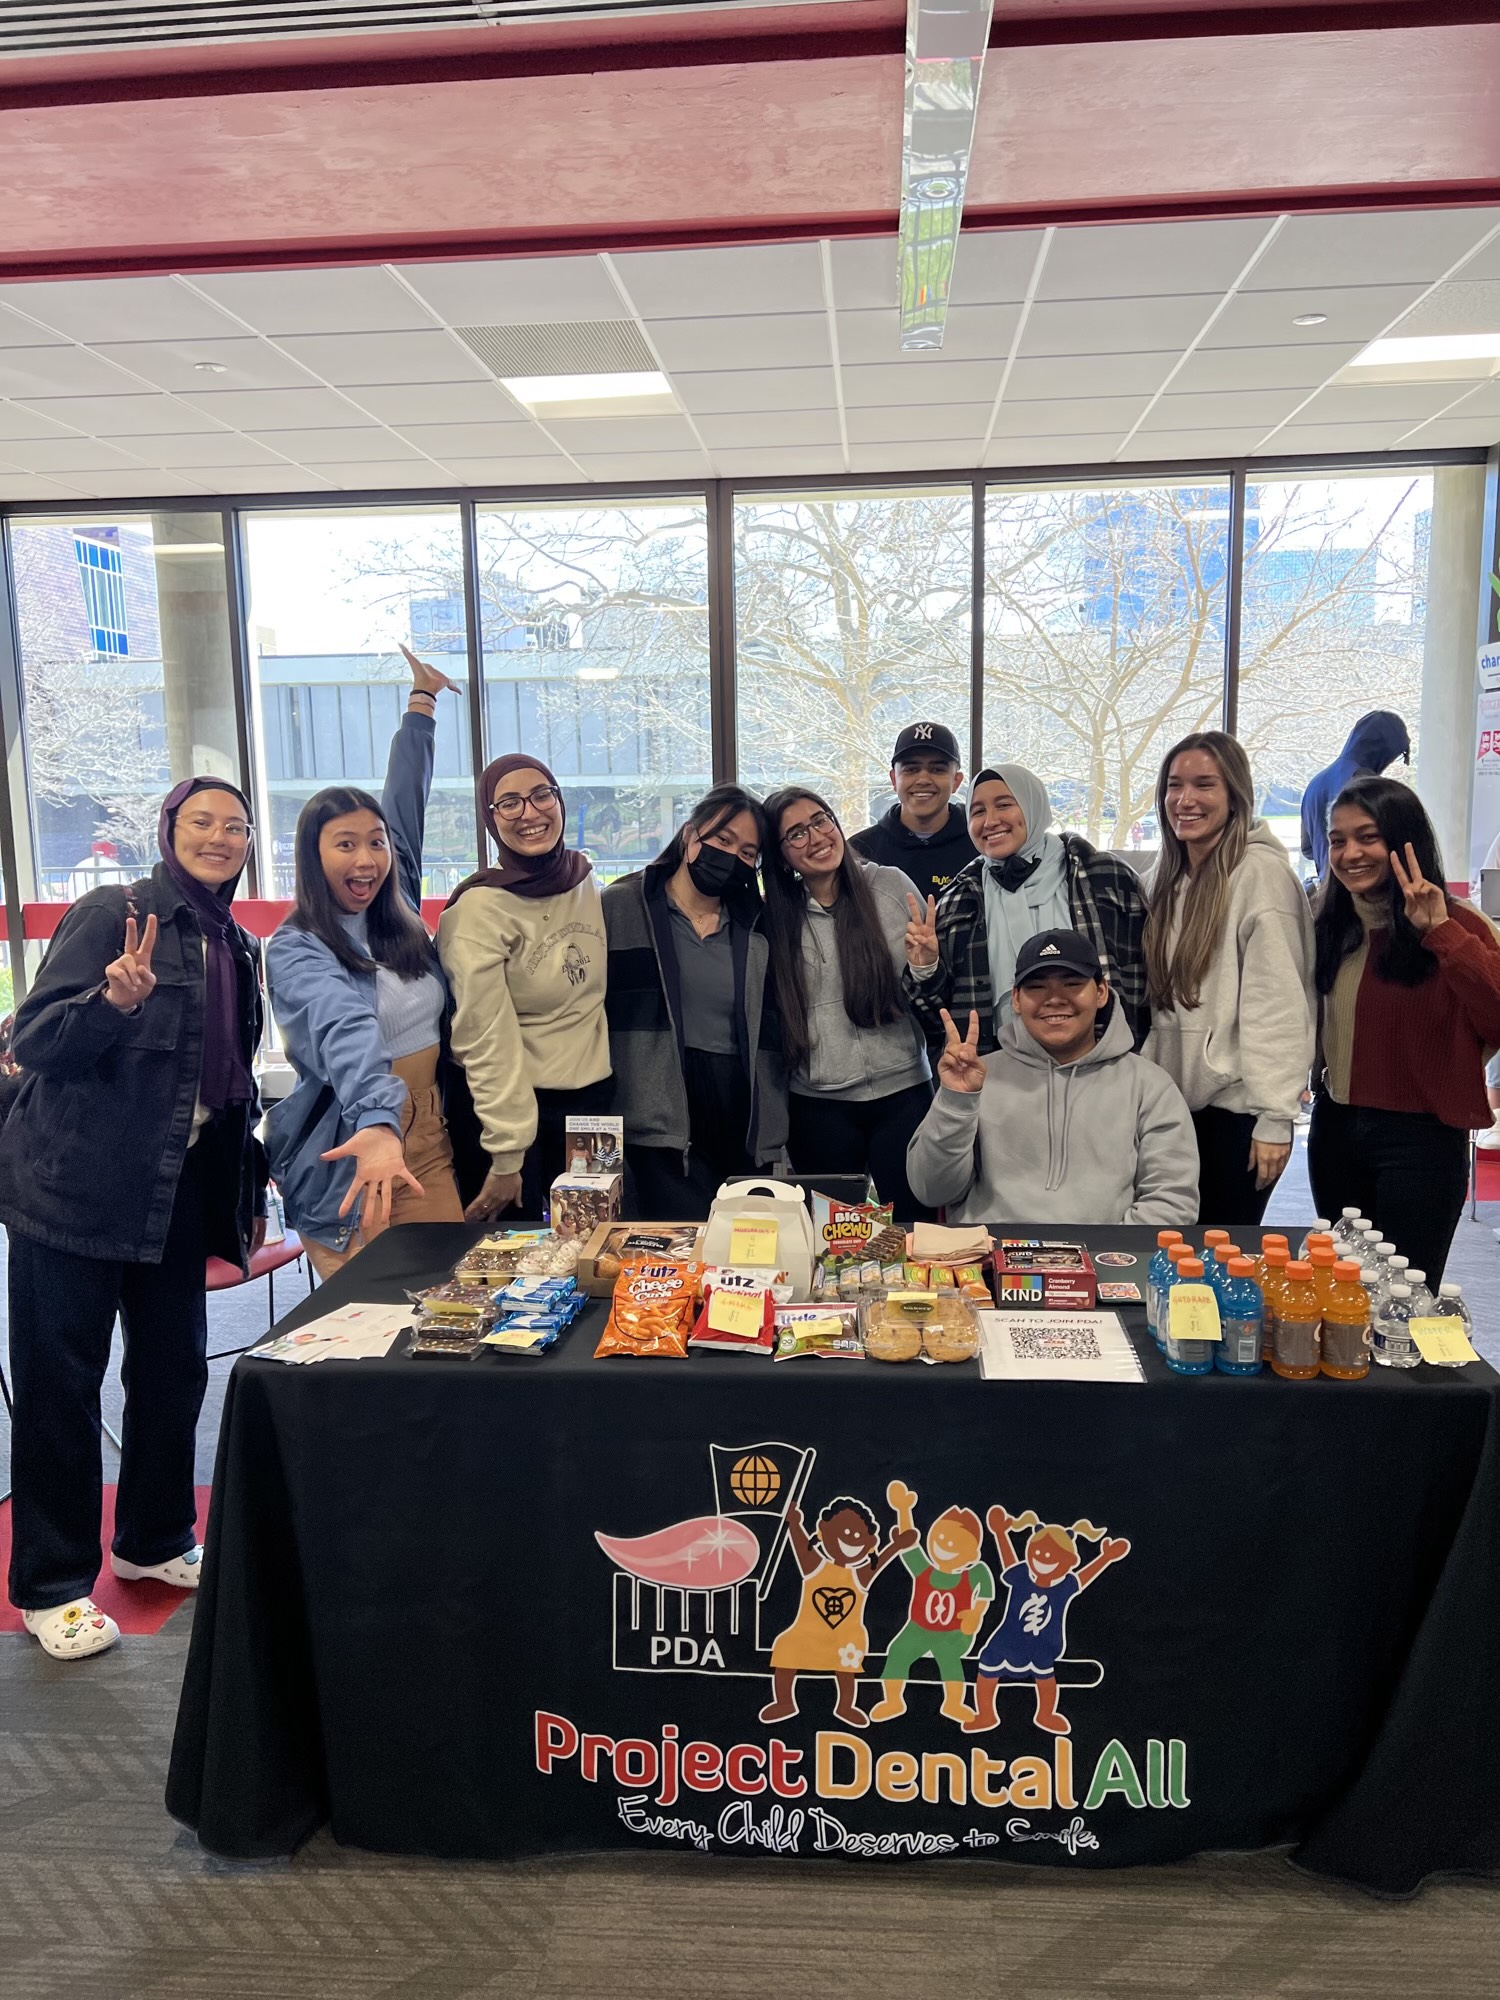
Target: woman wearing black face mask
x: 693, y: 1037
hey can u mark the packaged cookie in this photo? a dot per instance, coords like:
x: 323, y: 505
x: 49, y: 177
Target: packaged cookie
x: 817, y: 1332
x: 927, y: 1325
x: 652, y: 1310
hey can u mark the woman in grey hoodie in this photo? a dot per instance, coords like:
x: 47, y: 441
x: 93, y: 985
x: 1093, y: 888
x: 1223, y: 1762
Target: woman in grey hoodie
x: 857, y: 1066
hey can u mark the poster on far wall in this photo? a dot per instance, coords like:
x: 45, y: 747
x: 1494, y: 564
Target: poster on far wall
x: 1484, y: 823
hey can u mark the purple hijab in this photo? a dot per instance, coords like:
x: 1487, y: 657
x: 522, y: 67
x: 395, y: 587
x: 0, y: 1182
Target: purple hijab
x: 224, y: 1078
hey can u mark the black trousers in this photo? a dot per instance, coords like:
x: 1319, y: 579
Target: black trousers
x: 62, y: 1316
x: 544, y: 1157
x: 1405, y: 1170
x: 1227, y: 1194
x: 718, y: 1093
x: 832, y: 1135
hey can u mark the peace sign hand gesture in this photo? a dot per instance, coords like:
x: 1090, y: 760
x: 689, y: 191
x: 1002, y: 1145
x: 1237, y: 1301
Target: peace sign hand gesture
x: 1426, y: 902
x: 921, y: 931
x: 960, y: 1067
x: 128, y: 979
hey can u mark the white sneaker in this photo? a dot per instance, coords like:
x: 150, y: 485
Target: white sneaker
x: 72, y: 1631
x: 182, y: 1572
x: 1489, y: 1142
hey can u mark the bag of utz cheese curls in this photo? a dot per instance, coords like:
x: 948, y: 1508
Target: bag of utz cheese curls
x: 652, y: 1309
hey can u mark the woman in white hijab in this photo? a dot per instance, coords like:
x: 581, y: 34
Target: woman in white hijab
x: 1026, y: 879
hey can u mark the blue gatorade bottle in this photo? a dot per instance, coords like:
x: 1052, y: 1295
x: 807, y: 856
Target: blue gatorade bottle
x: 1242, y: 1313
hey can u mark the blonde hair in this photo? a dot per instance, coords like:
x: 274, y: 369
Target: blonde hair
x: 1052, y: 1531
x: 1176, y: 979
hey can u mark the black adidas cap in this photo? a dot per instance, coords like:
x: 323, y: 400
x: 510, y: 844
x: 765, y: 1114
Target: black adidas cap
x: 1051, y: 951
x: 929, y: 739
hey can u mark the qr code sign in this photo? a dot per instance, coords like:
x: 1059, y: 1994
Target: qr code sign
x: 1055, y: 1343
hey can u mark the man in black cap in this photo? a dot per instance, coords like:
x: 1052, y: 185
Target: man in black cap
x: 924, y: 834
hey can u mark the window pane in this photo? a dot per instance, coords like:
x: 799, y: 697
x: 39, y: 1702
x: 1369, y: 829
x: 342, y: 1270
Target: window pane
x: 124, y: 632
x: 1104, y: 642
x: 852, y: 619
x: 332, y: 597
x: 595, y: 623
x: 1334, y: 620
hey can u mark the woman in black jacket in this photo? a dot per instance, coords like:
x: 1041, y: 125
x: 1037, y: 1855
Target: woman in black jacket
x: 127, y: 1160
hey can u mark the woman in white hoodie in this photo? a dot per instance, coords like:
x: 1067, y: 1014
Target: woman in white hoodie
x: 1229, y: 961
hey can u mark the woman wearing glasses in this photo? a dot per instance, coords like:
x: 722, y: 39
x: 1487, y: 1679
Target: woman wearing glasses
x: 858, y: 1073
x: 362, y: 1142
x: 693, y: 1033
x: 128, y: 1159
x: 523, y: 946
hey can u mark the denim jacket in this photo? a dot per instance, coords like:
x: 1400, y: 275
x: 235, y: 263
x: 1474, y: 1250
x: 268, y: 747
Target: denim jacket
x: 327, y: 1018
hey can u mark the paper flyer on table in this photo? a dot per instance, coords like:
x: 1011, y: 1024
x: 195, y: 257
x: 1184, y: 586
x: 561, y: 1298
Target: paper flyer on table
x: 359, y: 1332
x: 1056, y: 1347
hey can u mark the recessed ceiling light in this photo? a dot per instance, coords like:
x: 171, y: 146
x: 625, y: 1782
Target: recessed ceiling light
x: 642, y: 392
x: 1311, y: 319
x: 211, y: 367
x: 1417, y: 348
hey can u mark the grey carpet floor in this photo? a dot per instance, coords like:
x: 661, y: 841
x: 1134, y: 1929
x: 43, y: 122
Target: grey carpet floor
x: 102, y: 1894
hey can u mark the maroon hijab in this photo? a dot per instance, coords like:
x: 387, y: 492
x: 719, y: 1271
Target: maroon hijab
x: 531, y: 875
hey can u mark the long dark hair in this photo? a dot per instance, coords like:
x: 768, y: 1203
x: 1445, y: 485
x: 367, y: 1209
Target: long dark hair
x: 398, y: 937
x: 1177, y: 982
x: 872, y: 992
x: 713, y: 811
x: 1401, y: 817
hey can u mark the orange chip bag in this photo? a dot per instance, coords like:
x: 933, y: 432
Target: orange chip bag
x: 652, y: 1309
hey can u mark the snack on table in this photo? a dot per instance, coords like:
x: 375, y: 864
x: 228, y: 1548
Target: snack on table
x: 935, y: 1326
x: 823, y: 1332
x: 578, y: 1203
x: 755, y: 1287
x: 892, y: 1340
x: 498, y: 1254
x: 652, y: 1310
x: 858, y: 1246
x: 555, y: 1256
x: 443, y: 1341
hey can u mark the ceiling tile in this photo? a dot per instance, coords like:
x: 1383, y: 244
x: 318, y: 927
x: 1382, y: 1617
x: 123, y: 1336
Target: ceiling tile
x: 1297, y: 439
x: 1352, y: 402
x: 645, y: 465
x: 521, y: 440
x: 1146, y: 259
x: 1465, y: 306
x: 1459, y: 429
x: 1090, y: 448
x: 60, y: 371
x: 993, y: 266
x: 18, y: 420
x: 265, y: 478
x: 96, y: 310
x: 972, y: 333
x: 64, y: 455
x: 711, y: 284
x: 337, y: 447
x: 751, y: 389
x: 1254, y: 319
x: 1235, y: 409
x: 349, y: 299
x: 1205, y: 443
x: 755, y: 340
x: 770, y: 462
x: 1401, y: 245
x: 186, y: 365
x: 347, y: 358
x: 124, y: 416
x: 1061, y: 378
x: 198, y: 448
x: 147, y: 484
x: 920, y: 379
x: 914, y: 455
x: 18, y: 329
x: 614, y: 435
x: 409, y: 403
x: 398, y: 472
x: 1213, y: 370
x: 911, y: 423
x: 517, y: 291
x: 1483, y: 267
x: 864, y: 273
x: 541, y: 470
x: 276, y: 409
x: 769, y: 429
x: 27, y: 486
x: 1115, y: 326
x: 1098, y: 414
x: 1485, y: 399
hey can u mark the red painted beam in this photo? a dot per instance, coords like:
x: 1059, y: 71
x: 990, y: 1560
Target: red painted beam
x: 259, y: 915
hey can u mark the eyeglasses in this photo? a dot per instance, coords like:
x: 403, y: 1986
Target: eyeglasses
x: 820, y: 822
x: 232, y: 829
x: 511, y: 805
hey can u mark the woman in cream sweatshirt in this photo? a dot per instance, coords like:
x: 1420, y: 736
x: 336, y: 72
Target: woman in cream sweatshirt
x: 1229, y: 960
x: 523, y: 946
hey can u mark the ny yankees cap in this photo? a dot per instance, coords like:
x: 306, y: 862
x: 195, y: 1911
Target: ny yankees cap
x: 929, y: 737
x: 1051, y: 951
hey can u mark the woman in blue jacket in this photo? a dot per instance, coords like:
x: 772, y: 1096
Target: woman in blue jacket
x: 127, y: 1159
x: 360, y: 1000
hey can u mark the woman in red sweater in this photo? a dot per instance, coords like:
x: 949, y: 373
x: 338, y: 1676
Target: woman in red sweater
x: 1409, y: 981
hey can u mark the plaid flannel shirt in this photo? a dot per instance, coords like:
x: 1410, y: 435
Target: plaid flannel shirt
x: 1108, y: 907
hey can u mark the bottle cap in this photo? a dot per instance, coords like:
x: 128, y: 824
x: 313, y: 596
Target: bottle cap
x: 1166, y: 1236
x: 1298, y: 1270
x: 1346, y: 1270
x: 1400, y: 1291
x: 1241, y: 1267
x: 1319, y: 1241
x: 1400, y: 1263
x: 1322, y: 1223
x: 1273, y: 1243
x: 1225, y: 1251
x: 1177, y: 1251
x: 1351, y: 1215
x: 1415, y: 1278
x: 1190, y: 1267
x: 1211, y: 1237
x: 1450, y: 1291
x: 1277, y: 1257
x: 1323, y: 1257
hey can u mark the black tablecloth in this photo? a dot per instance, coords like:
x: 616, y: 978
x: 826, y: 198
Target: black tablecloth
x: 409, y: 1625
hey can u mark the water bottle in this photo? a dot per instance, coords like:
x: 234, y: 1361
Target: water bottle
x: 1369, y: 1242
x: 1157, y: 1273
x: 1187, y: 1357
x: 1422, y: 1301
x: 1346, y: 1230
x: 1390, y: 1337
x: 1242, y: 1317
x: 1299, y: 1326
x: 1346, y: 1326
x: 1394, y: 1273
x: 1320, y: 1228
x: 1450, y: 1305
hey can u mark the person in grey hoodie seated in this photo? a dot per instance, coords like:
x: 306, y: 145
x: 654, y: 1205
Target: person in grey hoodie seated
x: 1063, y: 1123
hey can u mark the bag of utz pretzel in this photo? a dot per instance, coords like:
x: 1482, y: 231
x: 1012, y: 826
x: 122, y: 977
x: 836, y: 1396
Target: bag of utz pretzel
x: 652, y: 1309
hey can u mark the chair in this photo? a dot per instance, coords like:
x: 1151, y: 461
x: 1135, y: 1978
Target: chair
x: 222, y: 1276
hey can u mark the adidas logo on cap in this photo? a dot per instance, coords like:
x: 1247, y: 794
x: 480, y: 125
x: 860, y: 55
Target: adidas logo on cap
x: 1049, y: 951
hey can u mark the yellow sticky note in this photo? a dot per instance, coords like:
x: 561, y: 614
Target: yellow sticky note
x: 752, y: 1240
x: 1442, y: 1340
x: 1193, y: 1313
x: 741, y: 1313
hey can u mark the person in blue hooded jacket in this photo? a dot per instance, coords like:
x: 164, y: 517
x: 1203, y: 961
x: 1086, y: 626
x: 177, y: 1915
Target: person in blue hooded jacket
x: 360, y: 999
x: 1375, y: 742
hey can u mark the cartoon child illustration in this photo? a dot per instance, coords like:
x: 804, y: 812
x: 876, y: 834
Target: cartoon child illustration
x: 839, y: 1562
x: 575, y: 965
x: 1028, y: 1642
x: 949, y: 1592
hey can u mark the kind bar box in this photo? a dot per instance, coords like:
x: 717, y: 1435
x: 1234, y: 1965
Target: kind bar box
x: 1032, y: 1273
x: 615, y: 1243
x: 580, y: 1202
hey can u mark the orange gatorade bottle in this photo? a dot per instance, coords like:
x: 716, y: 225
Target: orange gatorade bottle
x: 1273, y: 1263
x: 1346, y: 1325
x: 1322, y: 1262
x: 1299, y: 1326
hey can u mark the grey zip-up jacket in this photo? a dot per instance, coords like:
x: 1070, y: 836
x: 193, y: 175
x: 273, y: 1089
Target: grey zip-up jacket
x: 1105, y: 1139
x: 858, y: 1064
